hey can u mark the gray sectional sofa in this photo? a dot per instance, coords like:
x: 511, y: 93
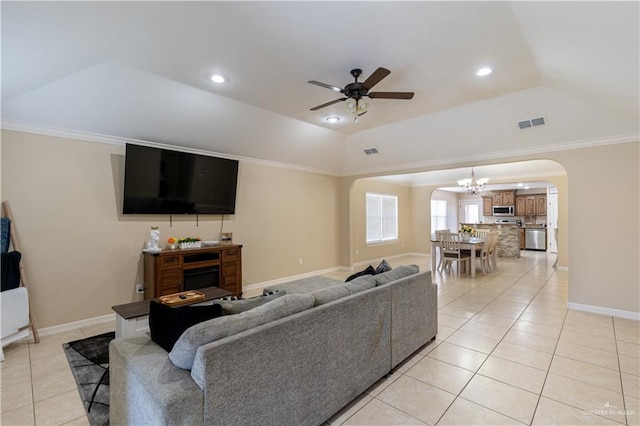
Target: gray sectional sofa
x: 296, y: 360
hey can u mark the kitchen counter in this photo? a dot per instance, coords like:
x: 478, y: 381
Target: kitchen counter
x: 508, y: 237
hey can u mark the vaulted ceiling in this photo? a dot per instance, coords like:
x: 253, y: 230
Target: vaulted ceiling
x: 139, y: 70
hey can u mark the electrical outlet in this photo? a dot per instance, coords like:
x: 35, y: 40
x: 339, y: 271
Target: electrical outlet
x: 139, y: 288
x: 301, y: 261
x: 357, y: 252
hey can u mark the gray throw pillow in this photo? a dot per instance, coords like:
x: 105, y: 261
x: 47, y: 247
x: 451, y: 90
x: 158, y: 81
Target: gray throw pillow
x: 232, y: 307
x: 184, y: 350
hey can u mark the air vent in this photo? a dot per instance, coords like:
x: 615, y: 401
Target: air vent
x: 531, y: 123
x: 370, y: 151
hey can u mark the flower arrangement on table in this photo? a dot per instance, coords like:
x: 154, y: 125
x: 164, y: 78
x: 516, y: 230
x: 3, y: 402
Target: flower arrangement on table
x: 466, y: 229
x: 190, y: 242
x: 466, y: 232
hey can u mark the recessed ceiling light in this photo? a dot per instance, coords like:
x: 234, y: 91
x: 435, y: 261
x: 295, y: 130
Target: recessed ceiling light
x: 483, y: 71
x: 332, y: 119
x: 520, y: 185
x: 217, y: 78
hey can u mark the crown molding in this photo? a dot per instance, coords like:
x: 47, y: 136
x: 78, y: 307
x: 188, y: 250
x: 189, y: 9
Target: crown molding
x: 498, y: 155
x: 119, y: 141
x: 398, y: 168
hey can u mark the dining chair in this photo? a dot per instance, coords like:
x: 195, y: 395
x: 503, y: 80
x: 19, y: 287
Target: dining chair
x: 485, y: 252
x: 439, y: 248
x: 493, y: 251
x: 482, y: 233
x: 450, y: 246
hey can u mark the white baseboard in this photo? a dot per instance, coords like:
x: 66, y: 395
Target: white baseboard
x: 76, y: 324
x: 605, y: 311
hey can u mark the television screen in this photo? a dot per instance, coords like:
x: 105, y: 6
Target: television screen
x: 161, y: 181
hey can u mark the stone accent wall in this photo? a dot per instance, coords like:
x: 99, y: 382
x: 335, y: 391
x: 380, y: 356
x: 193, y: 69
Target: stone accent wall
x: 508, y: 238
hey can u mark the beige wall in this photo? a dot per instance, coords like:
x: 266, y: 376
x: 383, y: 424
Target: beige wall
x: 604, y: 225
x: 359, y: 248
x: 82, y: 256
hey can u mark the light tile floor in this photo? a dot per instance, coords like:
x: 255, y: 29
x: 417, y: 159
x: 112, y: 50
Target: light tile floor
x: 508, y: 352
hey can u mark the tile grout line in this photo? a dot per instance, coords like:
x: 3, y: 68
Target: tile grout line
x: 500, y: 340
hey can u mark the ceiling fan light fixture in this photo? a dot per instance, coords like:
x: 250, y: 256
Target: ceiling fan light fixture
x: 484, y: 71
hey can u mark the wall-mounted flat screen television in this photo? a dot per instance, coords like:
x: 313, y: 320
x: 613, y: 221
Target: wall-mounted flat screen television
x: 161, y: 181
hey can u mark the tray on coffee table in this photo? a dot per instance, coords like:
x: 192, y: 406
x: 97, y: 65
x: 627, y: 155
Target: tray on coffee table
x: 181, y: 298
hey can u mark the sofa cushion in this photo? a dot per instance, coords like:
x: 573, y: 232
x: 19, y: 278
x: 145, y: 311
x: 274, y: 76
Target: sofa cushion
x: 166, y: 324
x: 231, y: 307
x: 329, y: 294
x: 305, y: 285
x: 369, y: 270
x: 368, y: 280
x: 184, y: 351
x: 396, y: 273
x: 360, y: 284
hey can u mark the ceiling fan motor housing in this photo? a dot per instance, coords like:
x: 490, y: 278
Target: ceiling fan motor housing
x: 355, y: 91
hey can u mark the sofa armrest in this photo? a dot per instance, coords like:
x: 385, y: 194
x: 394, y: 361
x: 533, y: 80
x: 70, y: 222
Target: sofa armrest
x: 146, y: 388
x: 414, y: 315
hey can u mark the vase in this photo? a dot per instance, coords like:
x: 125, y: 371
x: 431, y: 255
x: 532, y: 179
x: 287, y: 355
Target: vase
x: 465, y: 236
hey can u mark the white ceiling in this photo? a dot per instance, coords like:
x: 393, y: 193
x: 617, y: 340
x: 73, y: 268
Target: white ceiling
x: 137, y: 70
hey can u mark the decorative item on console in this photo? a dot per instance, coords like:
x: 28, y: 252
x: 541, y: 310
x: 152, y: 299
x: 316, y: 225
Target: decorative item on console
x: 190, y: 242
x: 226, y: 238
x: 172, y: 242
x: 152, y: 242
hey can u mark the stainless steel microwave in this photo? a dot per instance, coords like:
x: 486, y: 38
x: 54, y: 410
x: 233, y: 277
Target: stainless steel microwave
x: 503, y: 210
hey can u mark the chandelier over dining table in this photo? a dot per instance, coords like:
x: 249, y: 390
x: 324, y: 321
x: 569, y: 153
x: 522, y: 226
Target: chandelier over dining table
x: 473, y: 186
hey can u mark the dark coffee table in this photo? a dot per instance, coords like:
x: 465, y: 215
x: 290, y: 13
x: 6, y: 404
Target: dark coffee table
x: 131, y: 317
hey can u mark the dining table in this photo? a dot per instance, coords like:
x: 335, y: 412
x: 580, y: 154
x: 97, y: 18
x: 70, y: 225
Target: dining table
x: 472, y: 244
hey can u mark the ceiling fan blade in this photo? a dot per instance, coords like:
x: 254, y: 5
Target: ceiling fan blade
x: 375, y: 78
x: 391, y: 95
x: 327, y: 86
x: 327, y: 104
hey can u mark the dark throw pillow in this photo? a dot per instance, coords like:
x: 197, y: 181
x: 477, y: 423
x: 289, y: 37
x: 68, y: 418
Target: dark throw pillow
x: 383, y: 267
x: 167, y: 324
x: 368, y: 271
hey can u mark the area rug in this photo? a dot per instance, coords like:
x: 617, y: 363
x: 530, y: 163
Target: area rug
x: 89, y: 362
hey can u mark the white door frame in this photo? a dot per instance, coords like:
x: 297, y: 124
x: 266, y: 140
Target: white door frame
x: 552, y: 220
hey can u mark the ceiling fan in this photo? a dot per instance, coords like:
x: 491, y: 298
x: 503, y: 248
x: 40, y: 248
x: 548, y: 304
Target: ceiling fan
x: 356, y: 91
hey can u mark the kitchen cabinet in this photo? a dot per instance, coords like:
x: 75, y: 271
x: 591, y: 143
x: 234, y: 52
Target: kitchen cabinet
x: 521, y: 209
x: 503, y: 198
x: 541, y: 205
x: 521, y: 238
x: 530, y: 205
x: 487, y: 206
x: 508, y: 198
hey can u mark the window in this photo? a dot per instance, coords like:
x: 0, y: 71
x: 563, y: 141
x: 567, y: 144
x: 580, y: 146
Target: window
x: 470, y: 211
x: 438, y: 215
x: 382, y: 218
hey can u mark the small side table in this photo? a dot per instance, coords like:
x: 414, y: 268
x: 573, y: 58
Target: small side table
x: 132, y: 317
